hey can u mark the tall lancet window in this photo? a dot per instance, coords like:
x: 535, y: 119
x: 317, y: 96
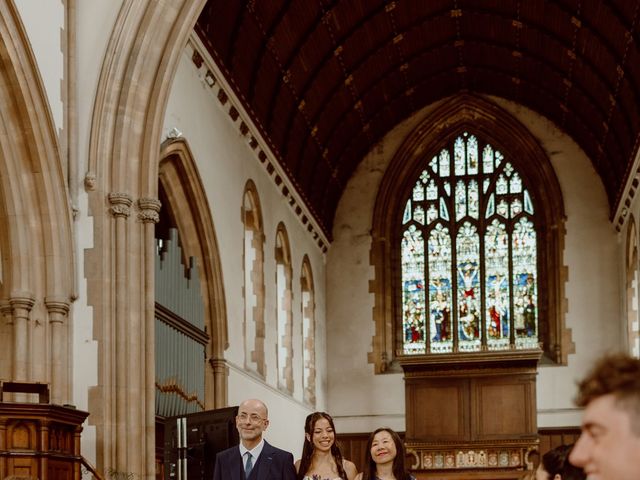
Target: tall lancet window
x: 254, y: 298
x: 468, y: 254
x: 284, y: 311
x: 633, y: 328
x: 308, y: 333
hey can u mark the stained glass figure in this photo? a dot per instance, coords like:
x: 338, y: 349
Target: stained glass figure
x: 413, y: 282
x: 497, y: 316
x: 469, y: 254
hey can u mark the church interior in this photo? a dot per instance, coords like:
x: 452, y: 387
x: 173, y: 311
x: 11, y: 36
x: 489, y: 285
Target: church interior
x: 417, y: 215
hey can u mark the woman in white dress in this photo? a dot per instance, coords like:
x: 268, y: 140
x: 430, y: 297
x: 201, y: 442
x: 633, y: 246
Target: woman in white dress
x: 385, y: 460
x: 321, y: 456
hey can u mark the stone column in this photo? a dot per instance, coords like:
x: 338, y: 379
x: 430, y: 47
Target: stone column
x: 121, y: 210
x: 21, y: 305
x: 58, y: 313
x: 6, y: 340
x: 149, y: 216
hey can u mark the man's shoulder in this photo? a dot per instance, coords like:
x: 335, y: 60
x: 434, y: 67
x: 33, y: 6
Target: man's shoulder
x: 229, y: 451
x: 274, y: 450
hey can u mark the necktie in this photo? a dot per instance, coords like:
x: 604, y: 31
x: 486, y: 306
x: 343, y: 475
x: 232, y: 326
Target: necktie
x: 248, y: 466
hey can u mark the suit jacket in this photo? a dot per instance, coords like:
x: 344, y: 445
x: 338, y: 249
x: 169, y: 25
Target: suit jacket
x: 272, y: 464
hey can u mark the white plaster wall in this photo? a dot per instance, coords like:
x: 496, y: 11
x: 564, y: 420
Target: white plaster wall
x: 225, y: 162
x: 44, y: 23
x: 362, y: 401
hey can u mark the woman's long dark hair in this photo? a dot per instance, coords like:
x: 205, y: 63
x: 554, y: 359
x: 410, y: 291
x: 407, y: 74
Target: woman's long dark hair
x: 398, y: 463
x: 556, y: 462
x: 307, y: 449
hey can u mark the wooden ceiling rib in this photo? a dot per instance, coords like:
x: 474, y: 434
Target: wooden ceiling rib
x: 324, y: 80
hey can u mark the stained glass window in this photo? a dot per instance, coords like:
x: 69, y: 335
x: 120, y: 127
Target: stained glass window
x: 469, y: 254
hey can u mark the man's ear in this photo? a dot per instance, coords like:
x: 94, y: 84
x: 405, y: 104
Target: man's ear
x: 557, y: 476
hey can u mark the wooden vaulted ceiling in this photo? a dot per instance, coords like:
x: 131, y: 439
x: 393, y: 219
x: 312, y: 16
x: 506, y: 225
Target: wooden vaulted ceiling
x: 325, y: 79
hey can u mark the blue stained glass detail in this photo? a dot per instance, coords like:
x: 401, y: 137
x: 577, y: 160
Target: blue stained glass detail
x: 459, y: 156
x: 413, y: 282
x: 432, y: 190
x: 472, y: 155
x: 432, y: 214
x: 445, y: 164
x: 487, y: 159
x: 444, y: 213
x: 407, y: 212
x: 473, y: 205
x: 461, y: 200
x: 418, y: 192
x: 528, y: 205
x: 502, y: 187
x: 491, y: 206
x: 515, y: 184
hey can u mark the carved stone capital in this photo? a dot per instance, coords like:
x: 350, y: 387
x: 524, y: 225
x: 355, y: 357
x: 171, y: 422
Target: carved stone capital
x: 120, y: 204
x: 57, y: 308
x: 22, y: 300
x: 149, y: 208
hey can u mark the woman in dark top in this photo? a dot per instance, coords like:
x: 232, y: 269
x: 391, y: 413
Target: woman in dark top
x: 385, y: 459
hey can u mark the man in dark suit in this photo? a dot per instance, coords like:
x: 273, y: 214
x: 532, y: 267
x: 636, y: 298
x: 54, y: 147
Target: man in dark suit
x: 254, y: 458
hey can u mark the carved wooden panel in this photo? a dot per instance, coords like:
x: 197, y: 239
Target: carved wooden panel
x: 504, y: 407
x: 439, y: 410
x: 40, y: 441
x: 471, y: 413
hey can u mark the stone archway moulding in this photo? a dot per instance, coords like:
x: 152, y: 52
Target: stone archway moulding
x: 189, y: 208
x: 122, y: 179
x: 36, y: 240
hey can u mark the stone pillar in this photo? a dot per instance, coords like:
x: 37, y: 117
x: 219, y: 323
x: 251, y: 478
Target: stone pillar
x: 58, y: 313
x: 149, y: 216
x: 6, y: 340
x: 121, y: 210
x: 21, y: 305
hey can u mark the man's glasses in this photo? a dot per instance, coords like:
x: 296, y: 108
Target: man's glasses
x: 253, y: 418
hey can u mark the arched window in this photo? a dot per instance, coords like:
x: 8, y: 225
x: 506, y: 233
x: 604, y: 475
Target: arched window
x: 284, y: 311
x: 633, y: 329
x: 469, y: 254
x: 467, y: 240
x: 254, y: 322
x: 308, y: 333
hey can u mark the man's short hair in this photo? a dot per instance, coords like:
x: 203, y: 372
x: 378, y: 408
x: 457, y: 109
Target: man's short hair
x: 618, y: 375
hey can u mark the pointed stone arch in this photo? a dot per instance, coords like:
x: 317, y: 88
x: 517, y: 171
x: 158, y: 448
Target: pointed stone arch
x: 138, y: 68
x: 36, y: 241
x: 189, y: 208
x: 451, y: 118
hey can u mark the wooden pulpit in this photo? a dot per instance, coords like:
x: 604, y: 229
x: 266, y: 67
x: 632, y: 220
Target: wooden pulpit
x: 38, y: 441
